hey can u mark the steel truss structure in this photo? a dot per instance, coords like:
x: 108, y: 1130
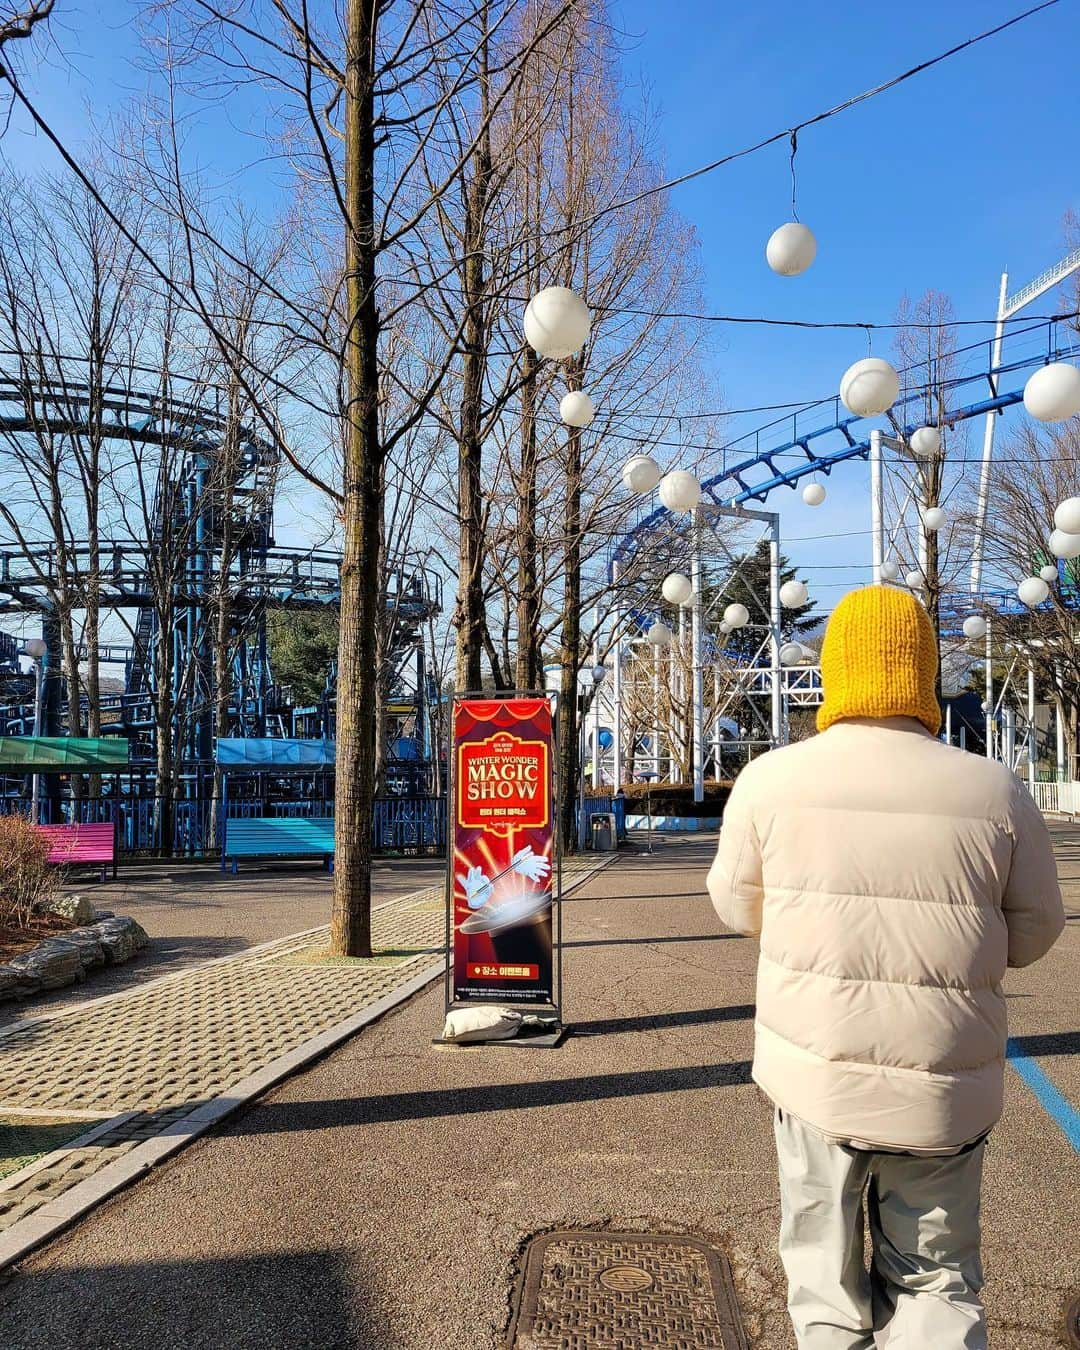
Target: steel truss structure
x: 819, y: 440
x: 200, y: 490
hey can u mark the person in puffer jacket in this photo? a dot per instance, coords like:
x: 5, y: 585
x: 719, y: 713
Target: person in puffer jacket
x: 891, y: 879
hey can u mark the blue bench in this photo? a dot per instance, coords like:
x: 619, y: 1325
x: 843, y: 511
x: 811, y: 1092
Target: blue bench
x: 270, y: 837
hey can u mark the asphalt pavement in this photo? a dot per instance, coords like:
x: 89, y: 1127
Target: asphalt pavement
x: 379, y: 1200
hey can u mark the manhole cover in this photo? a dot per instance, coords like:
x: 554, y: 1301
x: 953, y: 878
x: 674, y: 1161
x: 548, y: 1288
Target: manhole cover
x: 580, y: 1290
x: 1072, y: 1322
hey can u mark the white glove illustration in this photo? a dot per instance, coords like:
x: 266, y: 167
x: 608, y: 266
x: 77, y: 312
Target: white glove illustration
x: 478, y: 890
x: 526, y: 863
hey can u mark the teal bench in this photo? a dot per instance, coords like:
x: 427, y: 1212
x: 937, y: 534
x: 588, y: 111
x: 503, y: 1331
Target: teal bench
x: 269, y: 837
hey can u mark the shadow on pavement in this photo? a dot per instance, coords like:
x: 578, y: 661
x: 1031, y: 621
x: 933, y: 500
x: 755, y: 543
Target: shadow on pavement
x: 1056, y: 1043
x: 256, y: 1302
x: 275, y: 1117
x: 649, y: 941
x: 695, y: 1017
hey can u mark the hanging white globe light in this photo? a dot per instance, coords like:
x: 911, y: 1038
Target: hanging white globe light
x: 813, y: 494
x: 659, y: 635
x: 1049, y: 573
x: 1053, y: 393
x: 925, y: 442
x: 736, y: 616
x: 975, y: 626
x: 890, y: 570
x: 557, y: 322
x: 869, y: 387
x: 913, y: 581
x: 576, y: 409
x: 677, y: 589
x: 641, y: 473
x: 791, y: 654
x: 1067, y: 516
x: 793, y: 594
x: 1033, y: 591
x: 1064, y: 545
x: 725, y: 627
x: 933, y: 518
x: 809, y: 655
x: 791, y: 249
x: 679, y: 490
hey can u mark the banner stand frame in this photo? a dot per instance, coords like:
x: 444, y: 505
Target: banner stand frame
x: 551, y: 1013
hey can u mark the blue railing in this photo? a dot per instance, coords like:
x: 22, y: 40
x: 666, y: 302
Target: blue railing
x: 402, y: 824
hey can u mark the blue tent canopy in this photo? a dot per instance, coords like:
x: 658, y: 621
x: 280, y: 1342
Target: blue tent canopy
x: 251, y: 752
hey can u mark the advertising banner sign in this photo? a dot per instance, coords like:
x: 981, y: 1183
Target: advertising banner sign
x: 503, y: 851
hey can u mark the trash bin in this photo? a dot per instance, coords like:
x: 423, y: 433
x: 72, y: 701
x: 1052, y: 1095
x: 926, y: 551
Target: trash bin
x: 603, y: 832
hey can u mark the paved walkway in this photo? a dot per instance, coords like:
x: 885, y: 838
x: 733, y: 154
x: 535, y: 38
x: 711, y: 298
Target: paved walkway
x: 152, y: 1056
x: 195, y: 913
x: 380, y: 1199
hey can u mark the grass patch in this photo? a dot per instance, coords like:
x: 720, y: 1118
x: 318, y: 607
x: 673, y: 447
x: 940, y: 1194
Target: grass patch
x: 320, y: 956
x: 24, y: 1139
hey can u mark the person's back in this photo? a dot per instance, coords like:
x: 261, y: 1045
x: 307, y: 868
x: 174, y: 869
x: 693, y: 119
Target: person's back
x: 891, y: 879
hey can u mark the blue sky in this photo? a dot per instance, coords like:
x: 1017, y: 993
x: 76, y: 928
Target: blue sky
x: 941, y: 183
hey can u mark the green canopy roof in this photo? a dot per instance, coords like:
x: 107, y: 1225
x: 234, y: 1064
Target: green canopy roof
x: 63, y: 754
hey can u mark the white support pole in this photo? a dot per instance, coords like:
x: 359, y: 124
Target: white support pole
x: 877, y: 507
x: 989, y: 695
x: 774, y: 632
x: 697, y: 676
x: 656, y: 715
x: 716, y: 723
x: 948, y: 723
x: 1059, y: 738
x: 988, y: 444
x: 1032, y: 739
x: 617, y: 688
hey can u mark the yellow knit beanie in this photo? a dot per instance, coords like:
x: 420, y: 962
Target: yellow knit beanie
x: 879, y: 659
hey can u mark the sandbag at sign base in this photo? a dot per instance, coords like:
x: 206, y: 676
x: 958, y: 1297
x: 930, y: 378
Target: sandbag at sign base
x: 489, y: 1023
x: 494, y: 1023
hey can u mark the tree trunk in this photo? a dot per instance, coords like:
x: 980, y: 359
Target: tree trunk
x: 357, y: 703
x: 470, y: 606
x: 528, y: 602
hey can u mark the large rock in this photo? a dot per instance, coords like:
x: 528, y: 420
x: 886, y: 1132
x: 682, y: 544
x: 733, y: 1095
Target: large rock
x: 121, y: 938
x: 77, y: 908
x: 91, y: 950
x: 16, y: 983
x: 54, y: 962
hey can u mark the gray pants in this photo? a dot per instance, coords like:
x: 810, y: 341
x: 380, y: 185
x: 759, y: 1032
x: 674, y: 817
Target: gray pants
x: 922, y: 1291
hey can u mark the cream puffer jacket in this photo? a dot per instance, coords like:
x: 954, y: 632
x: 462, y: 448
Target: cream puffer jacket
x: 891, y: 879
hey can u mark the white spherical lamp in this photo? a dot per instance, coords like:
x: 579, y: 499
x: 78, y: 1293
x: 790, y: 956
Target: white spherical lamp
x: 890, y: 570
x: 974, y: 626
x: 557, y: 322
x: 1063, y: 545
x: 925, y: 442
x: 677, y: 588
x: 791, y: 654
x: 933, y: 518
x: 913, y: 581
x: 1049, y: 573
x: 813, y: 494
x: 736, y: 616
x: 1033, y: 591
x: 1053, y: 393
x: 791, y: 249
x: 679, y: 490
x: 576, y: 409
x: 869, y: 387
x: 725, y: 627
x: 35, y: 648
x: 1067, y: 516
x: 641, y: 473
x: 659, y: 635
x: 793, y: 594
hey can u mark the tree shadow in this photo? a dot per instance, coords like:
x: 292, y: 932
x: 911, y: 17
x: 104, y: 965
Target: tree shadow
x: 1053, y: 1043
x: 649, y: 941
x: 275, y: 1117
x: 256, y: 1302
x: 694, y: 1017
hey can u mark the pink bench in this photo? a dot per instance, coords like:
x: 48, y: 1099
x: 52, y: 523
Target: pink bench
x: 78, y: 844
